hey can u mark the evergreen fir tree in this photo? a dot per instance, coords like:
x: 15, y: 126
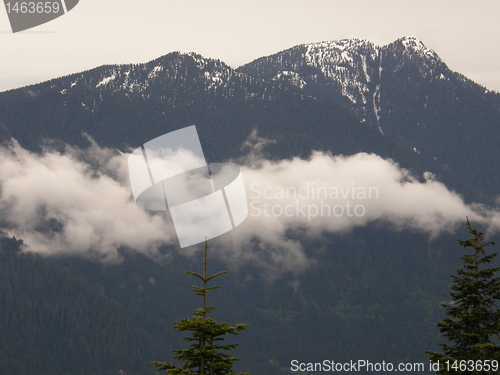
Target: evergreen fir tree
x: 206, y: 355
x: 473, y: 318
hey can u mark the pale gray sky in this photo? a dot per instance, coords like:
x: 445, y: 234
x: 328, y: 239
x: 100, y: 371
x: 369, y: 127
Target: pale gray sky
x: 96, y: 32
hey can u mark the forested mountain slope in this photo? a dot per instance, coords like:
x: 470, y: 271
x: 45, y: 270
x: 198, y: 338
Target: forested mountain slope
x: 371, y: 292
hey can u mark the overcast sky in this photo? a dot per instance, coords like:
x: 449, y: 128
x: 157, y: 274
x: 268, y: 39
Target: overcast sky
x: 96, y: 32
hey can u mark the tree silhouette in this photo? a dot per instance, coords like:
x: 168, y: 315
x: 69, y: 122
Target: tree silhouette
x: 473, y: 318
x: 206, y: 353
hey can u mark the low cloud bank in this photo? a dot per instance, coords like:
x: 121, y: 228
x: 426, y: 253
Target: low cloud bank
x: 74, y: 202
x: 79, y: 202
x: 328, y: 193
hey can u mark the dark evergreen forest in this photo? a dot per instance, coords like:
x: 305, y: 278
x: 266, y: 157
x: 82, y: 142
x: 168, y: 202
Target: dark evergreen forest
x: 372, y: 293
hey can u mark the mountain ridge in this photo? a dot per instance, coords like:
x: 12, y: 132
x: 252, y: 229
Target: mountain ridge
x: 402, y: 90
x: 353, y: 67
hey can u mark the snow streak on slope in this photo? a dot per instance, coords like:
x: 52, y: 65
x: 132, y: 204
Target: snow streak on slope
x: 376, y: 94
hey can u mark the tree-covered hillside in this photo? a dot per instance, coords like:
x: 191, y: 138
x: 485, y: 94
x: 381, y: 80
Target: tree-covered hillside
x: 372, y: 294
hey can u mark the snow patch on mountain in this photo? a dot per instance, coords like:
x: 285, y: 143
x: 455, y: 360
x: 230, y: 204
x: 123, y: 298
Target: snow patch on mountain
x: 291, y: 77
x: 154, y: 73
x: 414, y: 45
x: 344, y: 63
x: 105, y: 81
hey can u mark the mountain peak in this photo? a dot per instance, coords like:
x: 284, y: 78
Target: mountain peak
x: 341, y: 44
x: 411, y: 42
x: 177, y: 57
x: 413, y: 45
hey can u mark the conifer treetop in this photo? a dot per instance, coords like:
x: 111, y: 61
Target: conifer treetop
x: 206, y: 353
x: 473, y: 319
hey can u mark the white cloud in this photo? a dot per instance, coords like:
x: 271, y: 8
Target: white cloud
x: 79, y: 202
x: 58, y: 203
x: 328, y: 193
x: 335, y: 193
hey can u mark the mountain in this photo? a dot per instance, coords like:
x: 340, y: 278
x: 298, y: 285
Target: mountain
x: 399, y: 101
x: 409, y: 94
x: 372, y: 293
x: 124, y: 106
x: 127, y: 105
